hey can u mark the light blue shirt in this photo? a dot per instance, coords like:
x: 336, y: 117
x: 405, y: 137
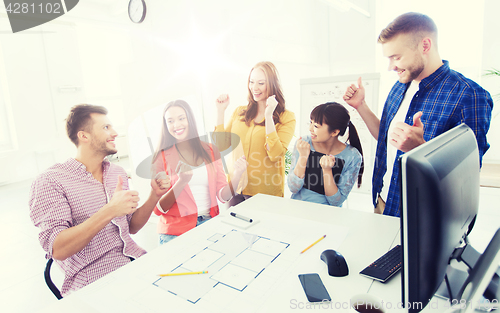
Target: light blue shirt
x: 349, y: 176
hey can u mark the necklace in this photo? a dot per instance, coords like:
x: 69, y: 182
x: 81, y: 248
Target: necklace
x: 179, y: 151
x: 185, y: 160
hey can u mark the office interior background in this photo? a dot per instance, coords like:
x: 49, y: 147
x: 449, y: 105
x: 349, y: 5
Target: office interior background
x: 197, y: 49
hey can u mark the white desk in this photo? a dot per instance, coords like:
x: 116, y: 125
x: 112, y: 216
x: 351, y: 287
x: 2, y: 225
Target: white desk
x: 277, y: 288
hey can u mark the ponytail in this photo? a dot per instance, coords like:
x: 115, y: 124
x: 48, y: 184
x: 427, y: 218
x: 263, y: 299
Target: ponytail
x: 354, y: 141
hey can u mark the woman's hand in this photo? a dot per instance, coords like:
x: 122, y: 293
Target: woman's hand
x: 222, y: 102
x: 327, y: 162
x: 271, y: 105
x: 184, y: 171
x: 303, y: 147
x: 240, y: 166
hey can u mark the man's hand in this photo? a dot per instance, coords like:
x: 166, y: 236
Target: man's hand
x: 355, y: 95
x: 303, y: 147
x: 160, y: 184
x: 123, y: 202
x: 405, y: 137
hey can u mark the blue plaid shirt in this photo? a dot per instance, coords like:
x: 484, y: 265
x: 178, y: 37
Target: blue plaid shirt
x: 446, y: 99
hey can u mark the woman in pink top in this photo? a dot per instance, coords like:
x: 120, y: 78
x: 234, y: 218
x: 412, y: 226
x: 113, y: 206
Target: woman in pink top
x: 196, y: 174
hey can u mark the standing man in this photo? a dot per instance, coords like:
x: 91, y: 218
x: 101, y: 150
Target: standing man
x: 428, y: 100
x: 83, y: 207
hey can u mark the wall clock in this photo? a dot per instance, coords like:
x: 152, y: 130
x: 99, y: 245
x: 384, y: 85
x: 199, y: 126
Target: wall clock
x: 137, y: 10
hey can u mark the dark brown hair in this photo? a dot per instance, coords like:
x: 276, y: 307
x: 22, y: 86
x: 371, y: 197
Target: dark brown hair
x: 273, y: 88
x: 79, y: 119
x: 167, y: 140
x: 336, y: 116
x: 417, y: 24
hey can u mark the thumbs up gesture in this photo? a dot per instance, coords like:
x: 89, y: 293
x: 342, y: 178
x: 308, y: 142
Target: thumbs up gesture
x: 123, y: 202
x: 406, y: 137
x: 355, y: 95
x: 119, y: 184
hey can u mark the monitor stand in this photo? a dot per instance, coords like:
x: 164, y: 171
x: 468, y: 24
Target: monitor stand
x: 455, y: 279
x: 452, y: 283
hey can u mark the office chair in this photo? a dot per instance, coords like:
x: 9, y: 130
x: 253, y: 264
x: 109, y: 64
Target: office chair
x: 49, y: 282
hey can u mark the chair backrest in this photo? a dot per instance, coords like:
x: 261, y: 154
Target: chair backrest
x: 49, y: 282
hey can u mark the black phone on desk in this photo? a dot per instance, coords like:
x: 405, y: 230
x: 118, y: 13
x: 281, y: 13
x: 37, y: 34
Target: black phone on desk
x: 314, y: 288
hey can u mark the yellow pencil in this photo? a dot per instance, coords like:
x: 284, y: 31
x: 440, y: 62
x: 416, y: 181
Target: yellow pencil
x: 313, y: 244
x: 178, y: 274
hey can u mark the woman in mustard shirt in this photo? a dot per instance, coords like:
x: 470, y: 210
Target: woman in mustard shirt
x: 264, y: 128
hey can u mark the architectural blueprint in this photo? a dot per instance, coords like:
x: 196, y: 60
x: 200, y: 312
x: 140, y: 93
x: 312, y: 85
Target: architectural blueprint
x: 234, y: 260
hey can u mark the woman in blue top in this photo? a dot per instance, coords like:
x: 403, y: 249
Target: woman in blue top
x: 323, y: 168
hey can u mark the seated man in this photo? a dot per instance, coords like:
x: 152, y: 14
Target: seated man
x: 83, y: 206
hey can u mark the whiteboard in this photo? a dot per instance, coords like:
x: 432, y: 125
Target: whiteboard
x: 316, y: 91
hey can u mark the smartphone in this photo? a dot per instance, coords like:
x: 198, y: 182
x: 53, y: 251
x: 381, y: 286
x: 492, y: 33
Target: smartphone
x: 314, y: 288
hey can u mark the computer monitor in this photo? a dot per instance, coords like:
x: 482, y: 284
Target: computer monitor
x: 440, y: 198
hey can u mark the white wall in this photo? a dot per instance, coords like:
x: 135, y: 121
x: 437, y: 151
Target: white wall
x: 490, y: 60
x: 30, y: 97
x: 94, y: 54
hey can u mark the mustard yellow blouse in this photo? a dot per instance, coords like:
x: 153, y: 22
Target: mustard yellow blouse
x: 266, y: 166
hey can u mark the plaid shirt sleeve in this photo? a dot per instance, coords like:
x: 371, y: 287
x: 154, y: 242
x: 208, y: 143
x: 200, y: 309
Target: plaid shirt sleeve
x: 476, y: 113
x: 49, y: 210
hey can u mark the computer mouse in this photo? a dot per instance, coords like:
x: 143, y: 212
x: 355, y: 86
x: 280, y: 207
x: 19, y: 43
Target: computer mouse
x: 337, y: 266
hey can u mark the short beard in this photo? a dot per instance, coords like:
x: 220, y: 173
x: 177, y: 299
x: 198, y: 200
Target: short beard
x: 101, y: 148
x: 414, y: 70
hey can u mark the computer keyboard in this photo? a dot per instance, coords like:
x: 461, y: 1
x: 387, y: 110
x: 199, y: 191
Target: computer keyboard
x: 385, y: 266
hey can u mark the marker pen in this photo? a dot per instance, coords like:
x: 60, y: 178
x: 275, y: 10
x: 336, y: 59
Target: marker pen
x: 241, y: 217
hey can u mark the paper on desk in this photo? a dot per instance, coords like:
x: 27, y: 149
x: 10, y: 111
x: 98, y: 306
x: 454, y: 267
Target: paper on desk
x: 234, y: 260
x: 234, y: 276
x: 239, y: 263
x: 253, y: 260
x: 189, y: 287
x: 202, y: 261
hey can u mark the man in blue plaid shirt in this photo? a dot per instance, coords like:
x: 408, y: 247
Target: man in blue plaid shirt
x: 428, y: 99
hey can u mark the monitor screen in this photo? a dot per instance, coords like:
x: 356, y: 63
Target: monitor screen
x: 440, y: 198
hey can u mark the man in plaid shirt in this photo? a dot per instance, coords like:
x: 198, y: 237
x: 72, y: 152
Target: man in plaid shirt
x: 83, y: 207
x: 428, y: 100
